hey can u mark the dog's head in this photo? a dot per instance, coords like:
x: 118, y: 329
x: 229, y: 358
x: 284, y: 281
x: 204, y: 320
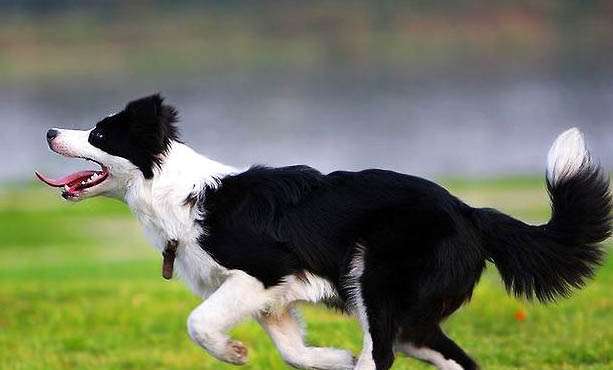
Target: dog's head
x: 127, y: 145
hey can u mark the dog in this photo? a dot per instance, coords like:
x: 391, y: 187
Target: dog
x: 400, y: 252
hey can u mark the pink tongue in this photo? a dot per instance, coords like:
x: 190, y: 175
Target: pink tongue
x: 64, y: 180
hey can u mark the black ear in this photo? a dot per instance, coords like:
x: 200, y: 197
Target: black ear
x: 151, y: 130
x: 152, y: 106
x: 147, y: 106
x: 152, y: 119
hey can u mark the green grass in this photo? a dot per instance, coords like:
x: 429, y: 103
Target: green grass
x: 80, y: 288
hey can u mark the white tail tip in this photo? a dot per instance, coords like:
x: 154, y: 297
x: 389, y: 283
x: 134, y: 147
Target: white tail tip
x: 567, y: 156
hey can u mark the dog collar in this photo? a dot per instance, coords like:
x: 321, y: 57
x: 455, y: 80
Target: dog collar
x: 169, y: 254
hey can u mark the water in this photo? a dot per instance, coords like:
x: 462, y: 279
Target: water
x: 428, y: 128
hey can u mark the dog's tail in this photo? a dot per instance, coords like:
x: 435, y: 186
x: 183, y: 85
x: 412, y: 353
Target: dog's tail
x: 551, y: 260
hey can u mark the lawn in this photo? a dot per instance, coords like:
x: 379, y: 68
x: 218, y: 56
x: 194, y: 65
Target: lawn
x: 80, y: 288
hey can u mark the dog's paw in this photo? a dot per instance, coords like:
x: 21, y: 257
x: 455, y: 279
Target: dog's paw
x: 237, y: 353
x: 325, y: 357
x: 452, y: 365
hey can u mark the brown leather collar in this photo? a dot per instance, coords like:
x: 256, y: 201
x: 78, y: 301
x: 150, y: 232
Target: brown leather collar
x: 169, y: 254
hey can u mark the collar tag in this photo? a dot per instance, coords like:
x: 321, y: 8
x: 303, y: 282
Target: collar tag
x: 169, y: 254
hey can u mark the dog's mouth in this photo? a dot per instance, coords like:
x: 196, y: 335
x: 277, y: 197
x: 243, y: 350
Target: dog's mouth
x: 76, y: 183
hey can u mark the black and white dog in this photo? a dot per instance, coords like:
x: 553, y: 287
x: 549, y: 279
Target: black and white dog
x: 398, y: 251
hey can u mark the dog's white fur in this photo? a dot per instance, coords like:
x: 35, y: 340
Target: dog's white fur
x: 229, y: 296
x: 429, y: 355
x: 567, y: 156
x: 285, y: 330
x: 365, y: 361
x: 232, y: 295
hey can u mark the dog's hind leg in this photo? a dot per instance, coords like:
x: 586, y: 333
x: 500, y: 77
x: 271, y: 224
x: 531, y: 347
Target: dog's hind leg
x: 239, y: 297
x: 439, y: 350
x: 286, y: 333
x: 378, y: 340
x: 375, y: 316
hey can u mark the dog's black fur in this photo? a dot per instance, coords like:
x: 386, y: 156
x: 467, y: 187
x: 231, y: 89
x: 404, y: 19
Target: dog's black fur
x: 141, y: 133
x: 424, y: 249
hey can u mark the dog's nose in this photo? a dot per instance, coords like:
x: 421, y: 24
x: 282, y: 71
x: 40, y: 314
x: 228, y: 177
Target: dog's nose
x: 51, y: 134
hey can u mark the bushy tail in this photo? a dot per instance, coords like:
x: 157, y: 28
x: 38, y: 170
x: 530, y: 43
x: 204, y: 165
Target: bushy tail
x: 551, y: 260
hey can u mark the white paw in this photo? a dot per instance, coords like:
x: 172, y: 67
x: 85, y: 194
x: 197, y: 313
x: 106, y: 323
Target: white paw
x: 452, y: 365
x: 329, y: 358
x: 236, y: 353
x: 343, y: 359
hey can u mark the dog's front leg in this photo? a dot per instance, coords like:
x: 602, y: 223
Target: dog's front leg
x: 240, y: 296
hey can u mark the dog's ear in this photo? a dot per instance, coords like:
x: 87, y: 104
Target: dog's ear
x: 151, y: 119
x: 153, y: 106
x: 151, y: 130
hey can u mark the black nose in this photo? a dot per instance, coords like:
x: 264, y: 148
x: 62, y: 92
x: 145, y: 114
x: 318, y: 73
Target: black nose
x: 51, y: 134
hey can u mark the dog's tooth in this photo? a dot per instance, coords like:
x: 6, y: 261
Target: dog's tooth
x: 66, y: 188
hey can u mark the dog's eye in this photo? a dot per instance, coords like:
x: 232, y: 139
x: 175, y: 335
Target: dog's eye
x: 97, y: 135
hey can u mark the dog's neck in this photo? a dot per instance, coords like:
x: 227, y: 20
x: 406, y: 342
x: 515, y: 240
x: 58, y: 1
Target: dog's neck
x: 160, y: 203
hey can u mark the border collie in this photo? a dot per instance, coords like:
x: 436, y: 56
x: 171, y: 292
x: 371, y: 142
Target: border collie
x: 398, y: 251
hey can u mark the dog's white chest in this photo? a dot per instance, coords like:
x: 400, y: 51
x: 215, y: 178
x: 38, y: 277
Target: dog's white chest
x: 160, y: 206
x: 162, y: 222
x: 192, y: 264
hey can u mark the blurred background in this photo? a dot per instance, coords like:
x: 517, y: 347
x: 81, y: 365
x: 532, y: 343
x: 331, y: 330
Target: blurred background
x: 470, y: 93
x: 432, y: 88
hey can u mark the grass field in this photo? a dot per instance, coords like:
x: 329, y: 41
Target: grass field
x: 80, y: 288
